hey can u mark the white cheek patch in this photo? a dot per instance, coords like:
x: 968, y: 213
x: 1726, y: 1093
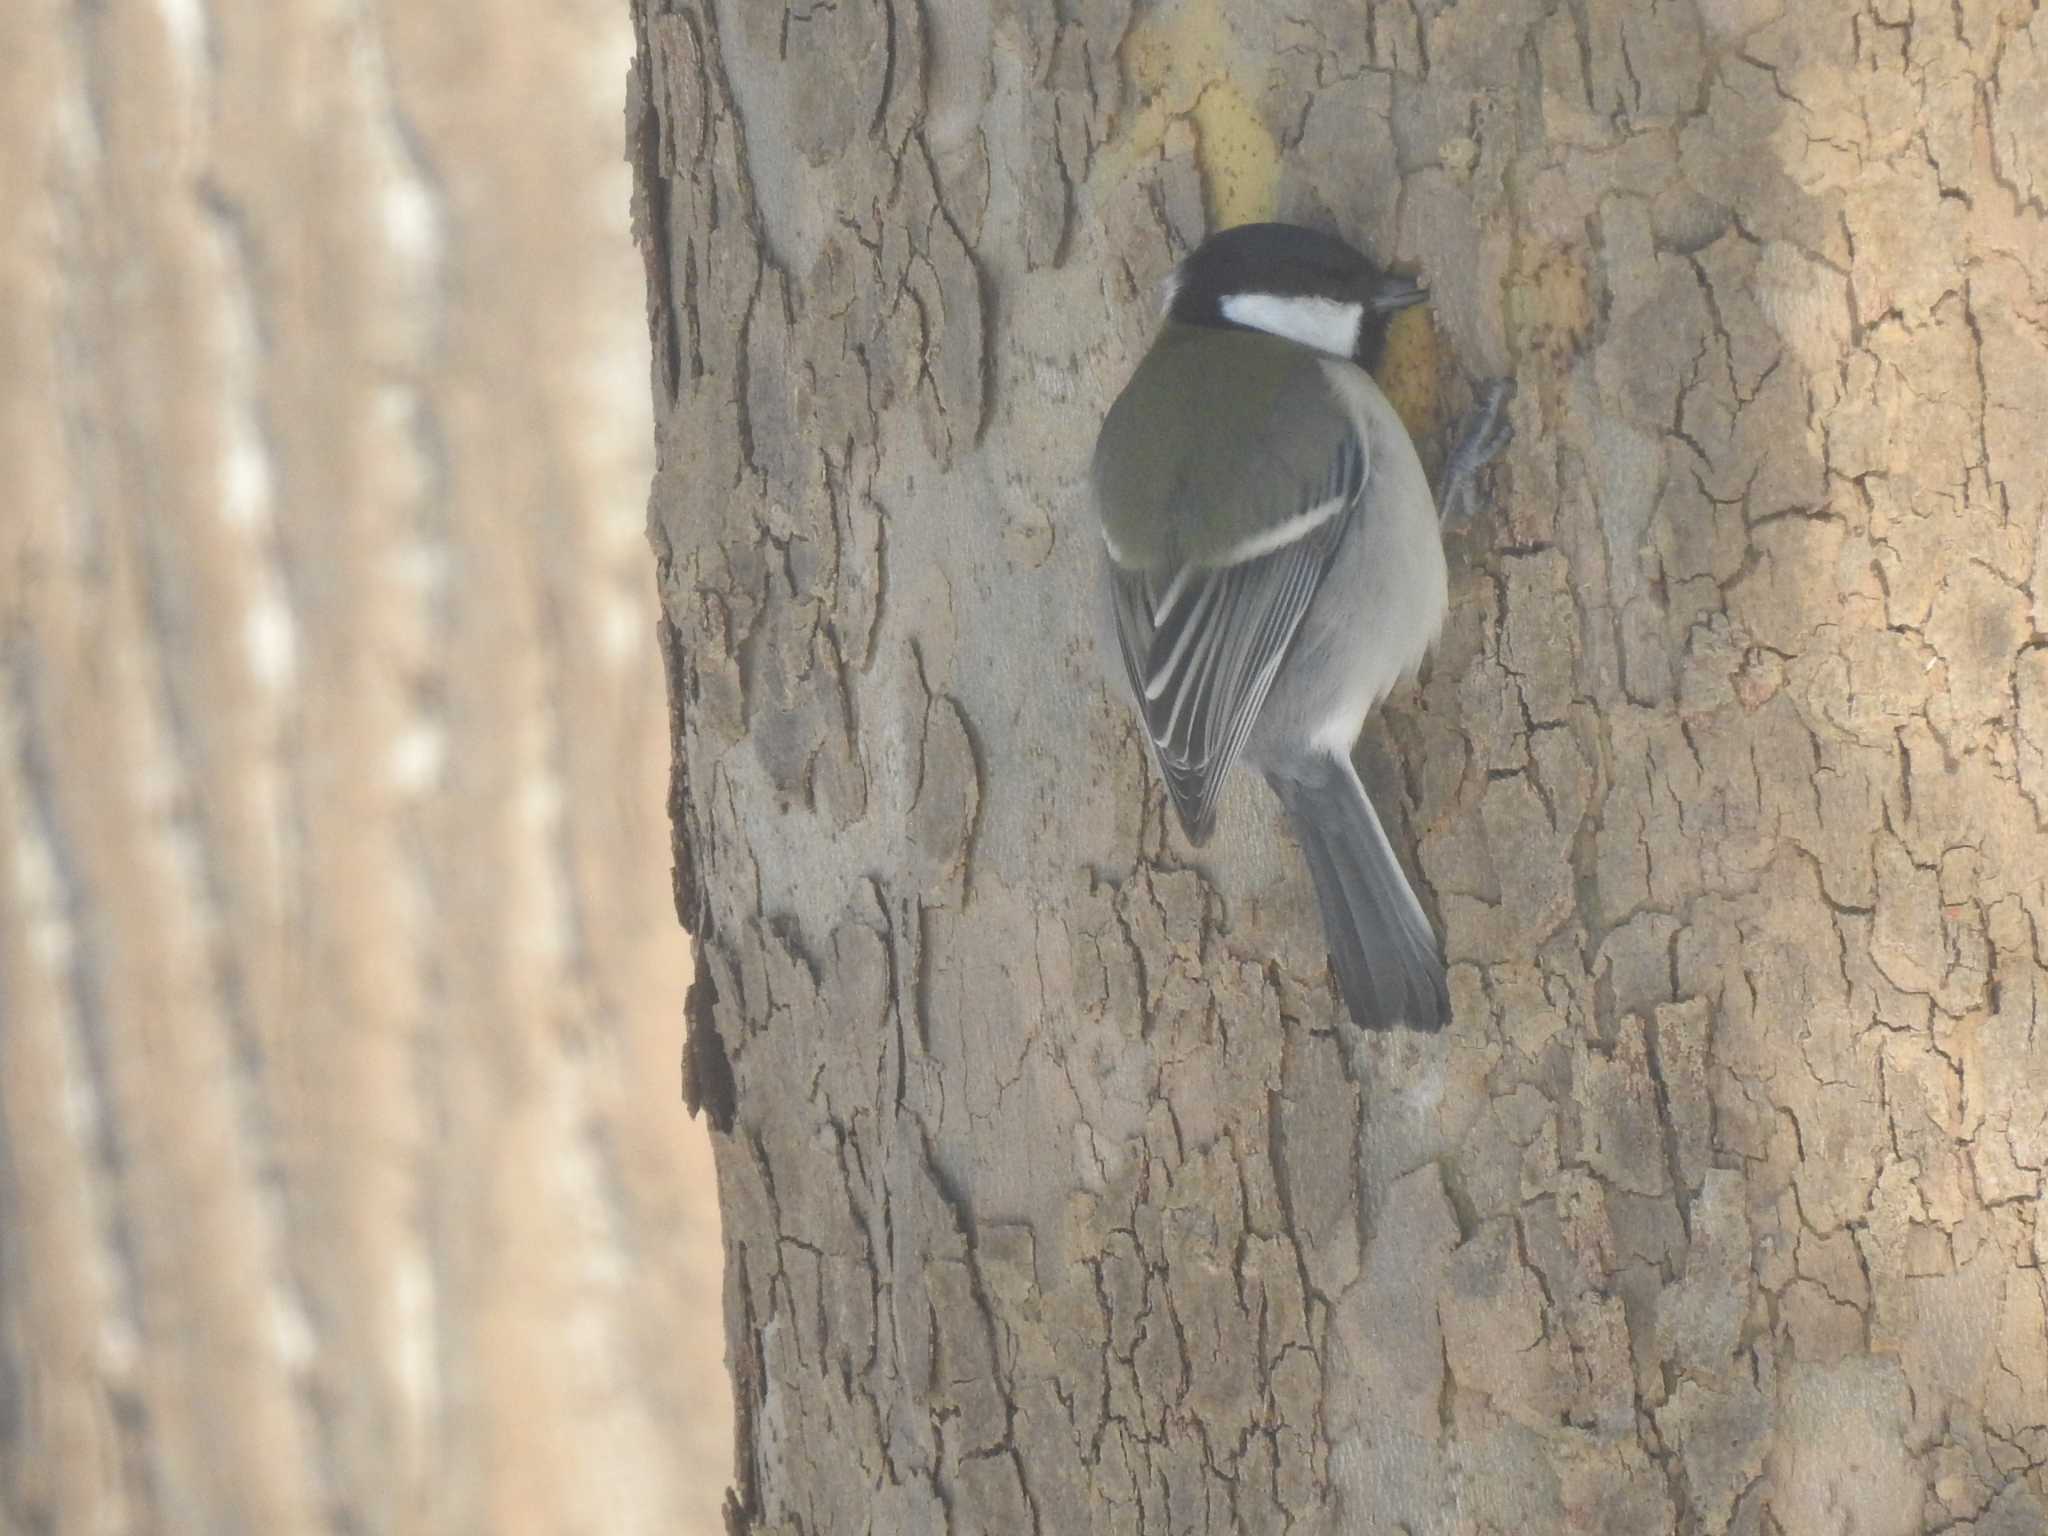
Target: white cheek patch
x: 1325, y: 324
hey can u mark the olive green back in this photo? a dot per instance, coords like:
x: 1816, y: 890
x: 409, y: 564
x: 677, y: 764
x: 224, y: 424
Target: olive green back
x: 1220, y: 435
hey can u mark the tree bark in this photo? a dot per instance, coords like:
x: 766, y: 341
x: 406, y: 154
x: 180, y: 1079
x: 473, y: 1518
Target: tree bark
x: 342, y: 1186
x: 1058, y: 1196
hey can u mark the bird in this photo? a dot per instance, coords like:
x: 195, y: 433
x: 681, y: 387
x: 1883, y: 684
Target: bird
x: 1274, y: 567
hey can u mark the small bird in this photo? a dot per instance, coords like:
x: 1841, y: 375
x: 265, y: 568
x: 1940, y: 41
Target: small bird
x: 1276, y: 565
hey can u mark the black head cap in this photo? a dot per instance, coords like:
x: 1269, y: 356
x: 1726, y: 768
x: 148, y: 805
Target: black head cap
x: 1240, y: 277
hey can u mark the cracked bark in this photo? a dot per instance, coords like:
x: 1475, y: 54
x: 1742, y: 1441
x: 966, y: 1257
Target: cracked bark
x: 1057, y: 1196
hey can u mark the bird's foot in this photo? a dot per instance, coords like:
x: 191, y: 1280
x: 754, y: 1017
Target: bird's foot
x: 1483, y: 433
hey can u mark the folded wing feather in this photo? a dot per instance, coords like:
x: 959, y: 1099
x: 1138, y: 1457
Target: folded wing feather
x: 1203, y: 643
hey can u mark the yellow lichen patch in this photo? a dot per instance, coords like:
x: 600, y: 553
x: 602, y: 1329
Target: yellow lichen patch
x: 1550, y: 308
x: 1239, y: 158
x: 1408, y: 374
x: 1180, y: 58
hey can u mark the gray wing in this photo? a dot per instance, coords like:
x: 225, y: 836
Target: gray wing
x: 1202, y: 644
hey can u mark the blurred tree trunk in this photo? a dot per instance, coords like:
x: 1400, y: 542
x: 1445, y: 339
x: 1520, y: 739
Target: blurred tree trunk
x: 1056, y: 1196
x: 336, y: 986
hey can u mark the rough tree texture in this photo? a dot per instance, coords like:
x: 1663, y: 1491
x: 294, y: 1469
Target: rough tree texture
x: 1056, y: 1199
x: 343, y: 1190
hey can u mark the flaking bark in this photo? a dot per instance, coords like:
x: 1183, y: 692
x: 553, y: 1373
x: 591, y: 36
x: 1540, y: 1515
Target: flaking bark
x: 1058, y: 1198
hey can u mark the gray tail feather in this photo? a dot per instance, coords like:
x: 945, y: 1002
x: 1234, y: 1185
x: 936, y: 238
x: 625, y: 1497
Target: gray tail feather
x: 1389, y: 964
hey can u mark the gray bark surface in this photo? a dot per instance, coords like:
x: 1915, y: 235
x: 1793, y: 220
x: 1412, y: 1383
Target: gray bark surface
x: 1056, y: 1197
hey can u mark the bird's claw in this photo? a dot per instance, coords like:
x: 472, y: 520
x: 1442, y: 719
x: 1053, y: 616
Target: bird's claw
x: 1484, y: 432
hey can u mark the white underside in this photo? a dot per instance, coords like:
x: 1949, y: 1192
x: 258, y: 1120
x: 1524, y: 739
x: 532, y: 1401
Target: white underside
x: 1394, y: 591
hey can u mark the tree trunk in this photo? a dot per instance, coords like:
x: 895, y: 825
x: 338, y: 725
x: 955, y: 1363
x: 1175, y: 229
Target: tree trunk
x: 1058, y: 1195
x: 342, y: 1186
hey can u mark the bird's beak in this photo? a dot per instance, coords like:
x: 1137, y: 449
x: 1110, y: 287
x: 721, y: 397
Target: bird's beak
x: 1392, y: 293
